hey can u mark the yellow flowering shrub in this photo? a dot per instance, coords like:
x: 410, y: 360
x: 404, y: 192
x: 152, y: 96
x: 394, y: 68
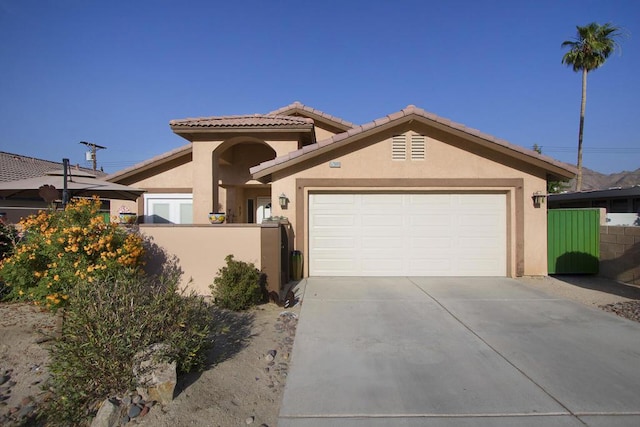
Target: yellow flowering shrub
x: 60, y: 248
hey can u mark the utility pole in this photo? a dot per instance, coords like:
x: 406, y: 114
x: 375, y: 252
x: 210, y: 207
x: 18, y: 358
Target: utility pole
x: 94, y: 148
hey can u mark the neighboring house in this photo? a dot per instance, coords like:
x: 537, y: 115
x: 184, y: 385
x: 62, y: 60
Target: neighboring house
x: 408, y: 194
x: 622, y: 204
x: 15, y: 167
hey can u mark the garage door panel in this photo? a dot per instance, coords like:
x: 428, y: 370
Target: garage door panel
x: 431, y: 232
x: 429, y: 220
x: 434, y: 267
x: 335, y: 242
x: 334, y: 220
x: 334, y: 267
x: 474, y: 233
x: 335, y: 199
x: 371, y: 201
x: 387, y: 219
x: 470, y: 244
x: 432, y: 200
x: 422, y: 244
x: 384, y: 267
x: 382, y: 243
x: 478, y: 222
x: 407, y: 234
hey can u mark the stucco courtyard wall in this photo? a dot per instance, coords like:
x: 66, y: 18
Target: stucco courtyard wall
x: 201, y: 249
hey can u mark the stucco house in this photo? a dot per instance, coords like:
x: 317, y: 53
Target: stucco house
x: 408, y: 194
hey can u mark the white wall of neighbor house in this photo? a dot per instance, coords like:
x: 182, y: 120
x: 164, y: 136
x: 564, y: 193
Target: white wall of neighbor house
x: 623, y: 219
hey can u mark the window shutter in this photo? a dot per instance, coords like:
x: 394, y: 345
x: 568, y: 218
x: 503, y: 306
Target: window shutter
x: 399, y: 147
x: 418, y: 147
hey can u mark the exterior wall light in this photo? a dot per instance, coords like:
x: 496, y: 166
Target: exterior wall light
x: 283, y: 200
x: 538, y: 198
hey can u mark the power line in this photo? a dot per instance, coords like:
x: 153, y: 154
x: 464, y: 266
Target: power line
x: 602, y: 150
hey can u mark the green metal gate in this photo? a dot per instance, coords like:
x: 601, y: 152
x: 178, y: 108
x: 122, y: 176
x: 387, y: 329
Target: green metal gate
x: 573, y: 241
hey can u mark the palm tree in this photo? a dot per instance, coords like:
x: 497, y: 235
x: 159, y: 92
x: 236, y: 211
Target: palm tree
x: 589, y: 50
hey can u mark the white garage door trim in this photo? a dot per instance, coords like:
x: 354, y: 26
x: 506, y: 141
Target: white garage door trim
x: 407, y: 234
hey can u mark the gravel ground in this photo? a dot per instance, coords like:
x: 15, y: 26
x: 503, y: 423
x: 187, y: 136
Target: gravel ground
x: 245, y: 382
x: 607, y: 294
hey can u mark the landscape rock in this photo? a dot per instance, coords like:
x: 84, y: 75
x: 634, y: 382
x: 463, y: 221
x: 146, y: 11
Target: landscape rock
x: 145, y: 411
x: 271, y: 354
x: 134, y: 411
x: 157, y: 378
x: 107, y: 415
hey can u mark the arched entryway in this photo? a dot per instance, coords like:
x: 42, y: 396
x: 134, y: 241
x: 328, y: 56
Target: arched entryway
x: 236, y: 193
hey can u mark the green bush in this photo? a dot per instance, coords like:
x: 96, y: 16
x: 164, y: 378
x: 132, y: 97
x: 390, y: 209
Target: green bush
x: 106, y: 324
x: 238, y: 285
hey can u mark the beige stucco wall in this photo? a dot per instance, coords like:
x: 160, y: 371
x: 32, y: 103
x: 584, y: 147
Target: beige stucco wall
x: 322, y: 132
x: 447, y: 158
x: 200, y: 250
x: 180, y: 176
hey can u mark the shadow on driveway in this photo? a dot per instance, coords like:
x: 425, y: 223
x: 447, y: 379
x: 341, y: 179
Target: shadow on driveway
x: 601, y: 284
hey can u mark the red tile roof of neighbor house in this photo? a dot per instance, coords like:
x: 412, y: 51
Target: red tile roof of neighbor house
x: 410, y: 112
x: 14, y: 167
x: 299, y: 108
x: 246, y: 121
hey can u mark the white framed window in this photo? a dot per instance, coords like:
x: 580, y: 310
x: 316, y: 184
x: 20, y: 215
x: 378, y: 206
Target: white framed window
x: 167, y: 208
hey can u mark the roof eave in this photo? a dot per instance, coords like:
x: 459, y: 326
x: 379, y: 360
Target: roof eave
x: 238, y: 129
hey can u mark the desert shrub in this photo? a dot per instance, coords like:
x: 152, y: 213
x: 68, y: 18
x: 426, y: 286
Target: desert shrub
x: 105, y: 324
x: 8, y: 239
x: 62, y: 248
x: 238, y: 285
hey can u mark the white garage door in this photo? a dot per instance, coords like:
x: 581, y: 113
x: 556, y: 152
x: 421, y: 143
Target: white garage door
x: 407, y: 234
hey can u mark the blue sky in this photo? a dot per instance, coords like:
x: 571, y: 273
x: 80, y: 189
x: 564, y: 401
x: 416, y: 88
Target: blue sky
x: 115, y: 72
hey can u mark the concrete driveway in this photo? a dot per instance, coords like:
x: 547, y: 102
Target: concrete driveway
x: 457, y: 352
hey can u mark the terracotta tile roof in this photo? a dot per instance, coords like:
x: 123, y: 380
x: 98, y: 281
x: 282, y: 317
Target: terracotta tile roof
x: 299, y: 108
x: 14, y: 167
x: 246, y: 121
x: 411, y: 111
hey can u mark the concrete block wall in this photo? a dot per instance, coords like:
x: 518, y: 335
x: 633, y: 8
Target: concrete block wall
x: 620, y: 253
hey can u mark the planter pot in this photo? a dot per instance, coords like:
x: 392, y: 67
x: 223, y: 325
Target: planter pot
x: 128, y: 218
x: 217, y: 217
